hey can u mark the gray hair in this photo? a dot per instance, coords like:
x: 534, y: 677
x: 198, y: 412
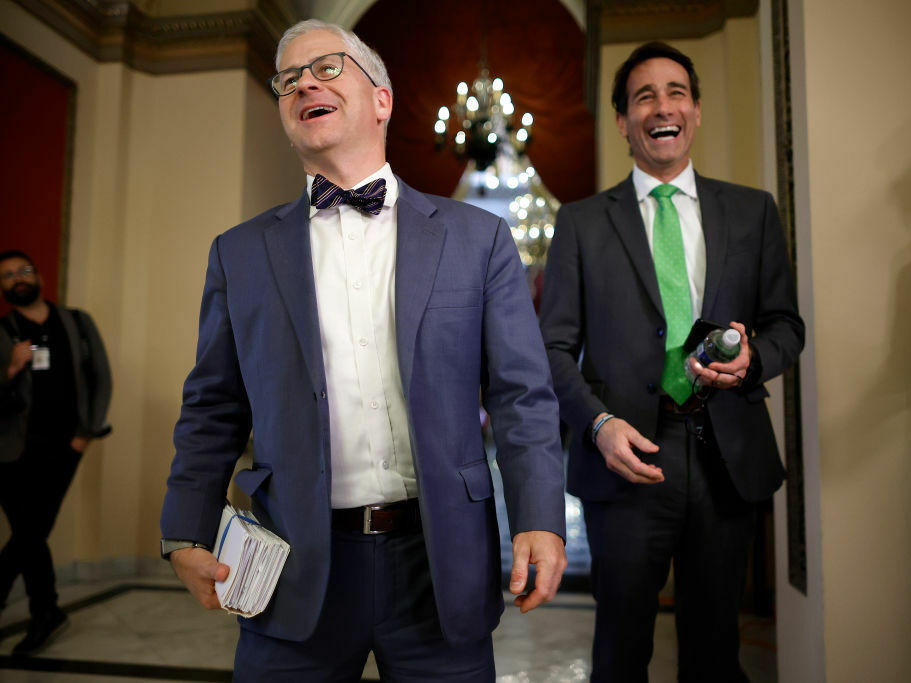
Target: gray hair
x: 365, y: 56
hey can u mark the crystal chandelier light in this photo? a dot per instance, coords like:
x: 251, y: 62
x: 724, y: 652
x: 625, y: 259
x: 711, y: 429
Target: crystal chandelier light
x: 499, y: 175
x: 482, y: 121
x: 531, y: 216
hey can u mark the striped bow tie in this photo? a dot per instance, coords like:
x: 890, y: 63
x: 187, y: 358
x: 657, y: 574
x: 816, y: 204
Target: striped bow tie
x: 366, y: 199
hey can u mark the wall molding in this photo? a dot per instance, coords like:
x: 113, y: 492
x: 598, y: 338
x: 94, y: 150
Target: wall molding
x: 626, y: 21
x: 118, y: 31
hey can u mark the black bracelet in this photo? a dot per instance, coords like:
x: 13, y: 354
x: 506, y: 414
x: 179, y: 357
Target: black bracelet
x: 598, y: 425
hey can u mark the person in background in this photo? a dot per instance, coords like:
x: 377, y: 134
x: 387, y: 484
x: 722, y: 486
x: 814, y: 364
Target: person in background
x: 55, y: 387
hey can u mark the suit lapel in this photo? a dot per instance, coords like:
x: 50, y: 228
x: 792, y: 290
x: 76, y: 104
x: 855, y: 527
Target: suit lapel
x: 419, y: 244
x: 715, y: 240
x: 288, y: 246
x: 623, y: 209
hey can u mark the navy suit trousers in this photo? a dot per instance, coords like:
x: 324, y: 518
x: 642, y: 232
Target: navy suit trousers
x: 379, y: 598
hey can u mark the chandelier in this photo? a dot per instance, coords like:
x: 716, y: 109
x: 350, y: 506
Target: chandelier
x: 532, y: 214
x: 499, y: 176
x: 482, y: 121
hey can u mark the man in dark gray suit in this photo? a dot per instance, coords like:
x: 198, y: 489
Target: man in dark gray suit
x: 55, y: 386
x: 665, y: 474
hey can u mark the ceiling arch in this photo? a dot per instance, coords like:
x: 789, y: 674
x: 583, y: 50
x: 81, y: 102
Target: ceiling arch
x: 348, y: 12
x: 539, y: 53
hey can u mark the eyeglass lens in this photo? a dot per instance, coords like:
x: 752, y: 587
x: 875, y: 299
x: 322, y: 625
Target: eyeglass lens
x: 25, y: 271
x: 323, y: 68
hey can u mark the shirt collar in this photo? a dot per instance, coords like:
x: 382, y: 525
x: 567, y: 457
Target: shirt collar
x: 385, y: 171
x: 685, y: 182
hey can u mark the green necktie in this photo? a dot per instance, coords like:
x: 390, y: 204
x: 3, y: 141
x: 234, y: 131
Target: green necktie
x: 674, y: 285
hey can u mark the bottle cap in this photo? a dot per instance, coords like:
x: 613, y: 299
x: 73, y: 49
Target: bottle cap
x: 730, y: 338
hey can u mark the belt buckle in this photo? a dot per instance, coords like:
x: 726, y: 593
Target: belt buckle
x: 368, y: 519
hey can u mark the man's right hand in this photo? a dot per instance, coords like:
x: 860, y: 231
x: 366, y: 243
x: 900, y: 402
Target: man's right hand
x: 616, y: 439
x: 20, y: 357
x: 198, y: 569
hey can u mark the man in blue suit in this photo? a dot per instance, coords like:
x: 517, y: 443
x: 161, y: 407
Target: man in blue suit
x: 351, y: 330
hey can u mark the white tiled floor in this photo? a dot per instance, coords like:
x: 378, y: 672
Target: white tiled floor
x: 150, y: 627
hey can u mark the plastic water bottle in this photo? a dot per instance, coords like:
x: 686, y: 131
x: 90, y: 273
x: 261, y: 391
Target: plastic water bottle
x: 719, y: 346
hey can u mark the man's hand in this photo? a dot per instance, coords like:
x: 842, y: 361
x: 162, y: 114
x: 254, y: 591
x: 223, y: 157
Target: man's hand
x: 616, y: 440
x: 198, y: 570
x: 20, y: 357
x: 79, y: 443
x: 545, y: 550
x: 725, y: 375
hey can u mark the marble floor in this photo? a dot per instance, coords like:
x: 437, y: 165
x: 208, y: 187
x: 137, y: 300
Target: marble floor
x: 150, y: 629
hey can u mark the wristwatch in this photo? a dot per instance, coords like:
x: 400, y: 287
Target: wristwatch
x: 169, y: 545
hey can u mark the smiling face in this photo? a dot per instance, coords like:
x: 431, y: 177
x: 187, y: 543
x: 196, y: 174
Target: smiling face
x: 661, y: 117
x: 335, y: 126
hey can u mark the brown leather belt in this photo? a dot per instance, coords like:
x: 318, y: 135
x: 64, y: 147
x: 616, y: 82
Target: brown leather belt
x: 692, y: 406
x: 402, y: 515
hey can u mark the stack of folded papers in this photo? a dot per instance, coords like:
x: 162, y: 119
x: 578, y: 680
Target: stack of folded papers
x: 256, y: 557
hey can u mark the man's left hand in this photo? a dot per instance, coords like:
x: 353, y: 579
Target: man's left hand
x: 79, y: 443
x: 545, y: 550
x: 725, y: 375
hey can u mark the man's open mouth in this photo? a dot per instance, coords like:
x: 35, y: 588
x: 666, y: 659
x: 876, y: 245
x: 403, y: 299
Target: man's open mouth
x: 316, y: 112
x: 664, y: 132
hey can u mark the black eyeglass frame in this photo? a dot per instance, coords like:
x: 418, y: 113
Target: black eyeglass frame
x: 300, y: 72
x: 22, y: 273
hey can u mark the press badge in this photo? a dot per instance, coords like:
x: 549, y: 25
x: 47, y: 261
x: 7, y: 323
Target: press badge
x: 41, y: 358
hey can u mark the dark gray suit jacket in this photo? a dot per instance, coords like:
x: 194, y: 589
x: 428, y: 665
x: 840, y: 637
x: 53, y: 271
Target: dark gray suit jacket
x: 92, y: 382
x: 463, y: 320
x: 601, y: 303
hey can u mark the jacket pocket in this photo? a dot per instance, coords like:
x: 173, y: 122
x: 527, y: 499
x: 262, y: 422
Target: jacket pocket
x: 250, y: 481
x: 477, y: 480
x: 455, y: 298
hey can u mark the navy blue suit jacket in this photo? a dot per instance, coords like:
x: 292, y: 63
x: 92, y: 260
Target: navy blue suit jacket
x: 464, y: 320
x: 601, y: 303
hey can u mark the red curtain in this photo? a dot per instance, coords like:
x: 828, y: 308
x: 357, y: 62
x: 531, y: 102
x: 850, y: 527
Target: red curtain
x: 34, y: 114
x: 535, y: 46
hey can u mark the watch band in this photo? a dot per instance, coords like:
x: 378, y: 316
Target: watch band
x: 169, y: 545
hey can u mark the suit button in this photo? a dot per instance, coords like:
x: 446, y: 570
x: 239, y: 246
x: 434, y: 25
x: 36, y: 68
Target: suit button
x: 651, y: 388
x: 322, y: 394
x: 660, y: 331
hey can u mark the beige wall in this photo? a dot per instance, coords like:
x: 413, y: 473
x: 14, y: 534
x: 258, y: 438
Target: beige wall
x: 855, y: 174
x: 272, y: 172
x: 729, y: 143
x: 162, y: 164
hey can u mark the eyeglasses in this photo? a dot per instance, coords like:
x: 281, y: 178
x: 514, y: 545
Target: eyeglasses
x: 24, y: 271
x: 323, y: 68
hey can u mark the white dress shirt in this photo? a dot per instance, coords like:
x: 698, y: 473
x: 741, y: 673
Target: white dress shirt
x: 687, y: 203
x: 354, y: 270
